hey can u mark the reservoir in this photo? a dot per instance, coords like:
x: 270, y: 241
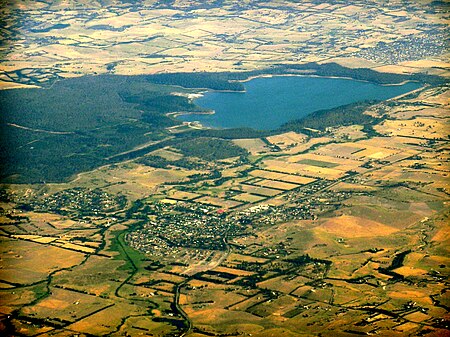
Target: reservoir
x: 269, y: 102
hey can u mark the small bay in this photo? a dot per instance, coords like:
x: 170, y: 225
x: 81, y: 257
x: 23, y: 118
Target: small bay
x: 269, y: 102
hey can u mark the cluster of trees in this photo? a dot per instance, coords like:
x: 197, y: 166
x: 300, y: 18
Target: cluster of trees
x: 160, y: 162
x: 210, y: 148
x: 215, y: 81
x: 227, y: 80
x: 235, y: 133
x: 343, y: 115
x: 79, y: 123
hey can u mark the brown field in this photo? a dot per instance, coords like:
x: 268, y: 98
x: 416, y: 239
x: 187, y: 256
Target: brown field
x: 254, y: 146
x: 425, y: 128
x: 288, y: 139
x: 281, y: 176
x: 66, y: 305
x: 308, y: 170
x: 28, y: 262
x: 342, y: 186
x: 98, y: 276
x: 329, y: 161
x: 374, y: 152
x: 144, y: 326
x: 167, y: 153
x: 210, y: 298
x: 268, y: 192
x: 276, y: 307
x: 346, y: 150
x: 224, y: 321
x: 108, y: 320
x: 247, y: 197
x: 238, y: 272
x: 355, y: 227
x: 234, y: 257
x: 276, y: 184
x: 283, y: 283
x: 139, y: 179
x: 182, y: 195
x: 218, y: 202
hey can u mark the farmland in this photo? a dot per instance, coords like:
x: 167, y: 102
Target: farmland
x: 118, y: 219
x: 278, y: 242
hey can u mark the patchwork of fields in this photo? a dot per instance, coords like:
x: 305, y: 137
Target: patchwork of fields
x: 116, y: 219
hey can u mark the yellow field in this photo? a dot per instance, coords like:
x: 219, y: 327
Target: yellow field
x: 238, y: 272
x: 247, y: 197
x: 283, y: 283
x: 182, y: 195
x: 245, y: 258
x: 28, y: 262
x: 63, y: 303
x: 307, y: 170
x: 288, y: 139
x: 281, y: 176
x: 254, y: 146
x: 218, y: 202
x: 426, y: 128
x: 258, y: 190
x: 167, y: 153
x: 276, y: 184
x: 107, y: 320
x: 355, y: 227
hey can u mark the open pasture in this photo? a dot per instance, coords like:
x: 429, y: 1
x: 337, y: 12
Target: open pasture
x: 289, y: 178
x: 66, y: 306
x: 300, y: 169
x: 209, y: 200
x: 426, y: 128
x: 355, y: 227
x: 26, y: 262
x: 182, y: 195
x: 248, y: 198
x: 328, y: 161
x: 287, y: 140
x: 145, y: 325
x: 260, y: 191
x: 280, y: 185
x: 285, y: 283
x: 254, y: 145
x: 107, y: 320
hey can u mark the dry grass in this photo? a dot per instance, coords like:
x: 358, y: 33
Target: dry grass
x: 28, y: 262
x: 355, y: 227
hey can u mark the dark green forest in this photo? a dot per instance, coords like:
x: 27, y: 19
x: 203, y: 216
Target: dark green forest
x: 340, y: 116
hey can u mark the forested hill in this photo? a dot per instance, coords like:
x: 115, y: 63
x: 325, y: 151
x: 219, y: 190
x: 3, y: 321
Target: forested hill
x: 227, y: 80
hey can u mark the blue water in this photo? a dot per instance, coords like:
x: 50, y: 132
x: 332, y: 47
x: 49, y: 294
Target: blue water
x: 272, y: 101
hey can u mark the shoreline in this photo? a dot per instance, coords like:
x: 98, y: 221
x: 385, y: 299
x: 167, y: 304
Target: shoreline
x: 186, y: 113
x: 319, y: 76
x: 194, y: 96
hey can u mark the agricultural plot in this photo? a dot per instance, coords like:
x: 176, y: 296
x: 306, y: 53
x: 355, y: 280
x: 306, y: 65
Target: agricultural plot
x: 333, y: 232
x: 289, y: 178
x: 301, y: 169
x: 281, y: 185
x: 248, y: 198
x: 218, y: 202
x: 254, y: 146
x: 71, y: 306
x: 259, y: 191
x: 420, y: 127
x: 287, y: 141
x: 27, y: 262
